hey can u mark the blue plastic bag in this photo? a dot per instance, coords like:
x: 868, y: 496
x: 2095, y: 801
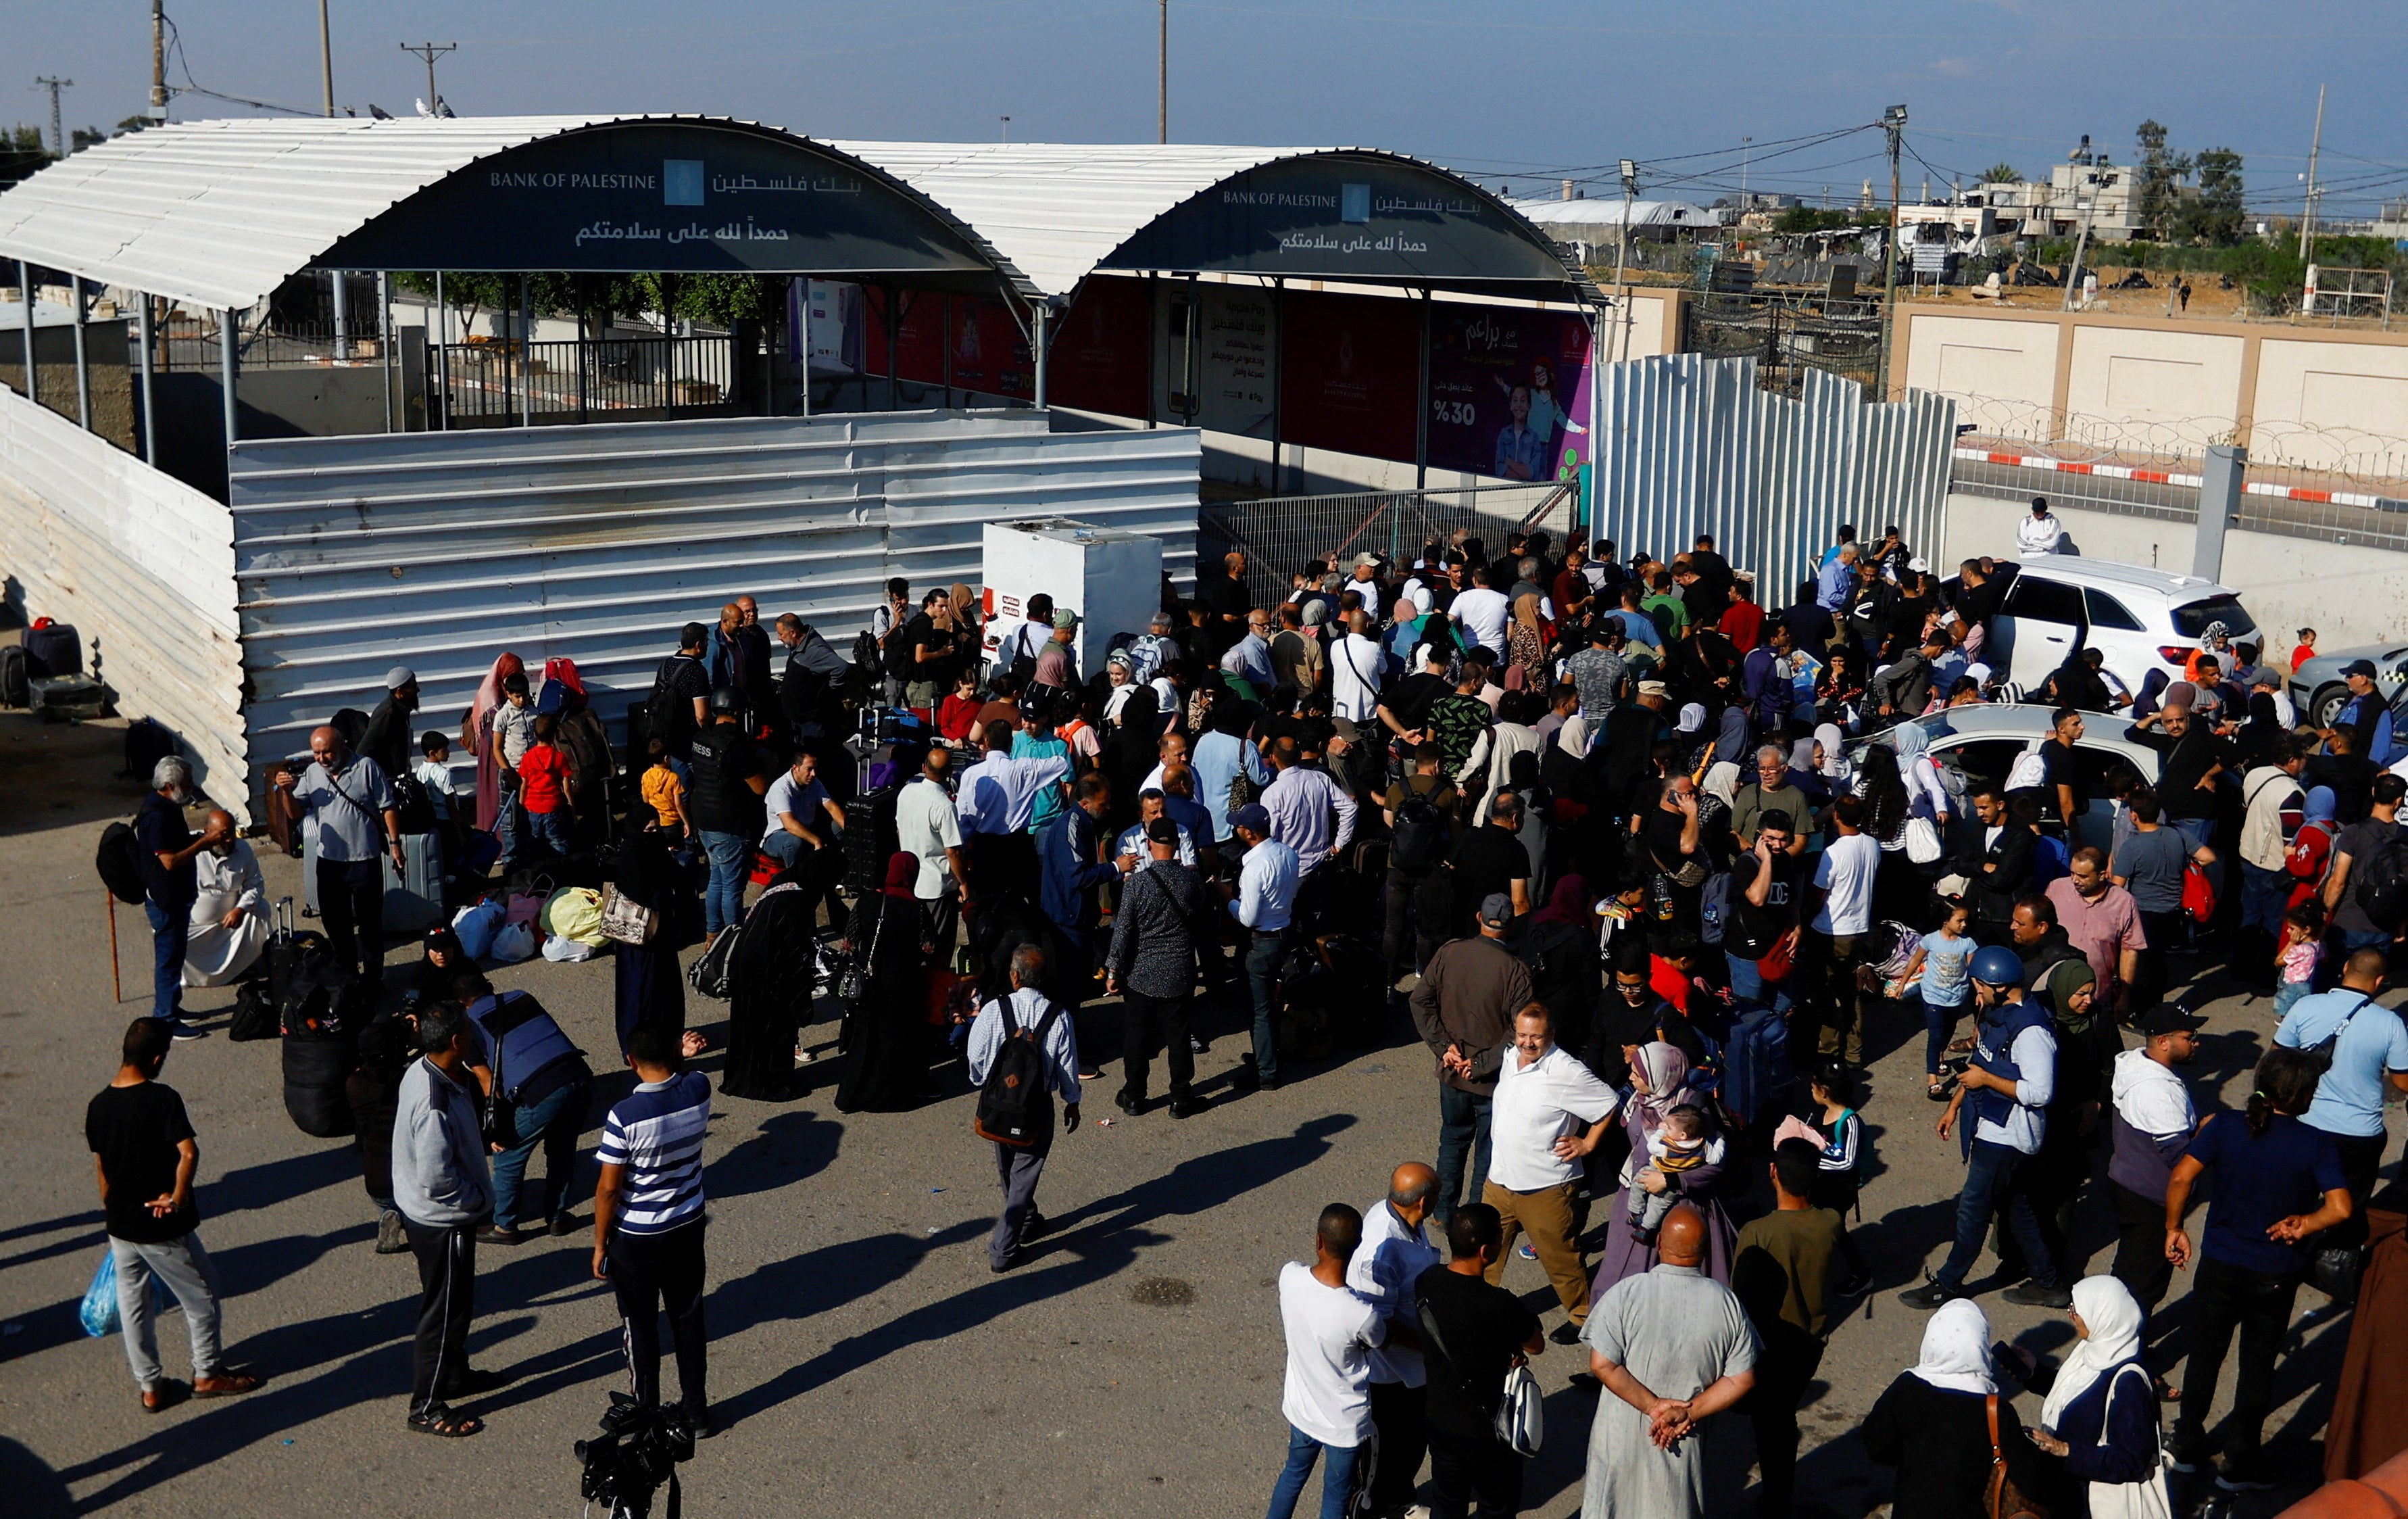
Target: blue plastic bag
x: 99, y: 1312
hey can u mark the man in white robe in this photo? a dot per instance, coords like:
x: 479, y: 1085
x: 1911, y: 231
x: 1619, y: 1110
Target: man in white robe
x: 230, y: 924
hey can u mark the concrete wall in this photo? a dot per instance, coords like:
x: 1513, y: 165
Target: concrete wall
x: 2350, y: 595
x: 2310, y: 397
x: 105, y: 368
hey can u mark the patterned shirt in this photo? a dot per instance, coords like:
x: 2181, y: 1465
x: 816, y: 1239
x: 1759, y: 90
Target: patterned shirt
x: 656, y: 1133
x: 1456, y: 722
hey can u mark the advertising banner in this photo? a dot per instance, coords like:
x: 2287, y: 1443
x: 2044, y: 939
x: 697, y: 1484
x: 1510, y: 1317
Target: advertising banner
x: 1350, y: 365
x: 823, y: 325
x: 1098, y: 360
x: 919, y: 334
x: 1234, y: 388
x: 1509, y: 392
x: 990, y: 356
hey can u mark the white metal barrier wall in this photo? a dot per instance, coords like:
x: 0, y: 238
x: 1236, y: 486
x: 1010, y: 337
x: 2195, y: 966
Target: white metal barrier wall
x: 441, y: 549
x: 1691, y: 445
x: 143, y: 566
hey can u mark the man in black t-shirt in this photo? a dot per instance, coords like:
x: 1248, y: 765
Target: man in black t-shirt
x: 680, y: 694
x: 2061, y: 784
x: 1763, y: 915
x: 138, y: 1130
x: 1404, y: 708
x: 1471, y: 1335
x: 1225, y: 603
x: 1490, y: 860
x: 723, y: 801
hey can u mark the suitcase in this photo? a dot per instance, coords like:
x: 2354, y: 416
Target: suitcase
x: 54, y: 652
x: 258, y: 1007
x: 16, y: 675
x: 869, y: 839
x: 66, y: 698
x: 413, y: 899
x: 1756, y: 1065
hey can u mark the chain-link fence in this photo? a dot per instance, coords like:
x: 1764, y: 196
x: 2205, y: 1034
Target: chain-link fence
x: 1788, y: 333
x: 1282, y: 533
x: 2289, y: 502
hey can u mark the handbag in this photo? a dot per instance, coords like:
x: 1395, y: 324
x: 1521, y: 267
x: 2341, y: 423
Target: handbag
x: 2334, y: 1270
x: 2199, y: 892
x: 856, y: 974
x: 2003, y: 1499
x: 1922, y: 840
x: 713, y: 974
x: 626, y: 920
x: 2151, y: 1498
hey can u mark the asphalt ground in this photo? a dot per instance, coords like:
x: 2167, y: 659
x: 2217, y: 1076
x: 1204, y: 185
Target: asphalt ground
x: 863, y: 1358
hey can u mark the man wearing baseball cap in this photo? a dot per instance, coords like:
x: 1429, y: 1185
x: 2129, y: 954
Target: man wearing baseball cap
x: 2366, y: 715
x: 2010, y: 1078
x: 1464, y: 1009
x: 1263, y: 902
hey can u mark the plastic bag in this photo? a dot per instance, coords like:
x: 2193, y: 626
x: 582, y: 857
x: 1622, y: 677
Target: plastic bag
x: 515, y: 942
x: 99, y: 1312
x: 562, y: 950
x: 476, y: 927
x: 575, y: 912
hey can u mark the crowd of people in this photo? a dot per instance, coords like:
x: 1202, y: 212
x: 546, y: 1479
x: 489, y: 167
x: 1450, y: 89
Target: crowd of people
x: 1654, y: 856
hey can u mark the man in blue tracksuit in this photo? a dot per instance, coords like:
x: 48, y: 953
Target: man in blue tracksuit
x: 2010, y: 1083
x: 1070, y: 875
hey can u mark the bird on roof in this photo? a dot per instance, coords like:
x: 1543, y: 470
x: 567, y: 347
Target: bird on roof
x: 424, y: 110
x: 379, y: 112
x: 443, y: 108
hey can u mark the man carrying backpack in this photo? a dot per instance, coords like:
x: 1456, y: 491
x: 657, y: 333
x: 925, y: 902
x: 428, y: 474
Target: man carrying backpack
x: 170, y: 884
x: 2365, y: 890
x: 681, y: 695
x: 1021, y: 1055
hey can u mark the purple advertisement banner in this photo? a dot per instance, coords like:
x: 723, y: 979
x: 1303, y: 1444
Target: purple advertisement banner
x: 1509, y: 392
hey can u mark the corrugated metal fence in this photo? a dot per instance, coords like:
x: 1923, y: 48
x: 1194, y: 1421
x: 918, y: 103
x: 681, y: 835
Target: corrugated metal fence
x: 143, y: 566
x: 441, y: 549
x: 1692, y: 445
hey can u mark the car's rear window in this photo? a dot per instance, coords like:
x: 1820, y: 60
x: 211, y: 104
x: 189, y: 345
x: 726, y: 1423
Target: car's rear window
x: 2192, y: 617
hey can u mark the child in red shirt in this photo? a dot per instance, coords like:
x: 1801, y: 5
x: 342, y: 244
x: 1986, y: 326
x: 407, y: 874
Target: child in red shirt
x: 958, y: 712
x: 544, y: 786
x: 2306, y: 650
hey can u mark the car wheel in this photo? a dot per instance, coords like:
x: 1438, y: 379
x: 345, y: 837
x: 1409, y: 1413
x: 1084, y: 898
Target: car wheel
x: 2326, y: 705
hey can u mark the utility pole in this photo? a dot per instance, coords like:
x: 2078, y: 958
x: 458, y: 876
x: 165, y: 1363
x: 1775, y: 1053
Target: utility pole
x: 326, y: 58
x: 2099, y: 184
x: 1744, y: 145
x: 1621, y: 258
x: 158, y: 62
x: 1162, y: 81
x: 2307, y: 214
x: 426, y: 50
x: 1007, y: 127
x: 58, y: 135
x: 1893, y: 123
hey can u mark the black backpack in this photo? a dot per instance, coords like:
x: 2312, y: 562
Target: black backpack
x: 2381, y: 890
x: 1419, y: 833
x: 669, y: 716
x: 119, y: 863
x: 867, y: 657
x: 1015, y: 1107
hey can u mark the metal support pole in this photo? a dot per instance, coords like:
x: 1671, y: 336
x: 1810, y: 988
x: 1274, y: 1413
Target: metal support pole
x: 150, y: 415
x: 83, y: 368
x: 1279, y: 349
x: 1152, y: 343
x: 1040, y: 345
x: 2220, y: 481
x: 526, y: 355
x: 949, y: 352
x: 1894, y: 124
x: 33, y: 362
x: 888, y: 319
x: 229, y: 340
x: 442, y: 358
x: 384, y: 347
x: 1421, y: 422
x: 339, y: 301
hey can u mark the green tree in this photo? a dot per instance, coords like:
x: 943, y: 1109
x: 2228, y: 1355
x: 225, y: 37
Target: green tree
x: 2158, y: 185
x: 2002, y: 173
x: 21, y: 153
x: 2217, y: 215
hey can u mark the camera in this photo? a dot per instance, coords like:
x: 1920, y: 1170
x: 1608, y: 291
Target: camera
x: 638, y: 1450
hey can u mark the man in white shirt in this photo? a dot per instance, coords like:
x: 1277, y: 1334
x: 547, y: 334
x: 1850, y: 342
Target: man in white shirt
x: 229, y: 924
x: 1829, y: 949
x: 1330, y: 1332
x: 997, y: 800
x: 928, y: 828
x: 1479, y: 613
x: 1357, y: 669
x: 1549, y: 1112
x: 797, y: 806
x: 1262, y: 904
x: 2040, y: 532
x: 1133, y: 842
x: 1018, y: 1167
x: 2008, y: 1087
x: 1395, y: 1252
x: 1366, y: 584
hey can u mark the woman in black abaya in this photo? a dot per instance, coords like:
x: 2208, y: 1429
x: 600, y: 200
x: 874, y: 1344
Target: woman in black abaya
x: 772, y: 976
x: 650, y: 989
x: 887, y: 1056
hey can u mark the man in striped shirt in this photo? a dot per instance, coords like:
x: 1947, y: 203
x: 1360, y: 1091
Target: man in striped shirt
x: 647, y: 1214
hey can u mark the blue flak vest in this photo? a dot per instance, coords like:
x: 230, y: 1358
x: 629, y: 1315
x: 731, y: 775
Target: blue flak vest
x: 1994, y: 1047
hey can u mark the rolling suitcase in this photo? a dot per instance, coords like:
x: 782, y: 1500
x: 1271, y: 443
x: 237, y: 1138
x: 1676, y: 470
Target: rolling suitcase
x: 869, y: 839
x: 413, y: 899
x: 53, y: 650
x: 16, y: 675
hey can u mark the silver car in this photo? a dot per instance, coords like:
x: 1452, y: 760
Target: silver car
x: 1982, y: 740
x: 2317, y: 689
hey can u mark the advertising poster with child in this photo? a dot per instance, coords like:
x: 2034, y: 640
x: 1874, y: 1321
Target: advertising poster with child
x: 1509, y: 392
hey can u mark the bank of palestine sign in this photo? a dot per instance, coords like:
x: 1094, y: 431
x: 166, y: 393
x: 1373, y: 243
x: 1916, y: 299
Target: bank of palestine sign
x: 647, y: 196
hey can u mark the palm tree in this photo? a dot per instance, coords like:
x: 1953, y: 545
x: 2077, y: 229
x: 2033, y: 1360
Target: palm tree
x: 2001, y: 174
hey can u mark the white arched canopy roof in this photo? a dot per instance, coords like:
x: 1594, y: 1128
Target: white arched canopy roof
x: 220, y: 213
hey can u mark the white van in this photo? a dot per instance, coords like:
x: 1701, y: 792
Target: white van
x: 2142, y: 620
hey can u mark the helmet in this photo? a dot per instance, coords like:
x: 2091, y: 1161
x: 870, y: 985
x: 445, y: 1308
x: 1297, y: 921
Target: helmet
x: 1998, y: 966
x: 726, y: 699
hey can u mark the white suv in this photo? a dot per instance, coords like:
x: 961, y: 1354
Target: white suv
x: 2141, y: 618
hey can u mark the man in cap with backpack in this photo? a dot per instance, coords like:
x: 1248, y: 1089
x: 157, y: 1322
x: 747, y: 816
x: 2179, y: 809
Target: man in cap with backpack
x: 1021, y: 1054
x: 165, y: 852
x: 2366, y: 890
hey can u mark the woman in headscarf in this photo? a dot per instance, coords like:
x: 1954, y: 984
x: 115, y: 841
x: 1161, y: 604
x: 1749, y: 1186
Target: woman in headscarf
x: 772, y: 973
x: 1900, y: 890
x: 581, y: 738
x: 967, y: 616
x: 1926, y: 794
x: 1121, y: 683
x: 472, y: 737
x: 1660, y: 1081
x: 1839, y: 689
x: 1933, y: 1423
x: 886, y: 1060
x: 2101, y: 1419
x: 648, y: 987
x: 1526, y: 646
x: 2262, y: 739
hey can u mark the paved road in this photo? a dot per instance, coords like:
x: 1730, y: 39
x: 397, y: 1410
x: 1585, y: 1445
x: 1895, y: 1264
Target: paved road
x: 863, y: 1358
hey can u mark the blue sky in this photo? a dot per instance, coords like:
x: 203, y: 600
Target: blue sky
x: 1536, y: 89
